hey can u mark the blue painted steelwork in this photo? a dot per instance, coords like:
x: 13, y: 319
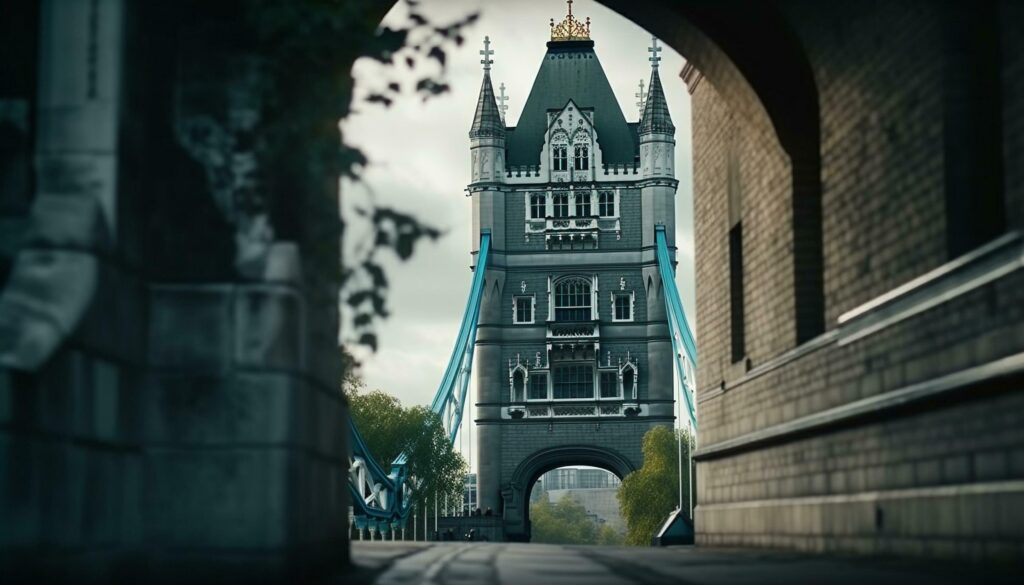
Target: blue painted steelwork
x: 379, y: 498
x: 679, y: 329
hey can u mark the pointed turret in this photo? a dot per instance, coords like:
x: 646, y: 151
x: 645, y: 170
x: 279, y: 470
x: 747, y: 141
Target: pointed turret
x: 657, y: 163
x: 656, y: 119
x: 487, y: 119
x: 657, y: 132
x: 487, y: 134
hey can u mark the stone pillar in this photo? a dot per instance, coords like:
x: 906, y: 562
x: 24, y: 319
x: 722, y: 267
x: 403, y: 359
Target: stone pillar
x: 491, y: 390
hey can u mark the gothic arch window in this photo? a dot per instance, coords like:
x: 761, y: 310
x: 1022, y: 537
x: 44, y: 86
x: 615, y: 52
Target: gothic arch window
x: 561, y: 160
x: 560, y: 151
x: 581, y: 157
x: 572, y: 300
x: 629, y: 378
x: 518, y: 378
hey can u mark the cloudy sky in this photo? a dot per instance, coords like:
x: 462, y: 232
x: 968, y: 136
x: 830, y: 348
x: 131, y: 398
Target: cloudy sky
x: 419, y: 156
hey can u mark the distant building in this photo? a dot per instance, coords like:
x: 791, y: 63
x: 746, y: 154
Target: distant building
x: 469, y: 501
x: 568, y: 478
x: 596, y: 489
x: 572, y: 329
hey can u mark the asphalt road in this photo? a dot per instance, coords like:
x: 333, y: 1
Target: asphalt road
x: 401, y: 563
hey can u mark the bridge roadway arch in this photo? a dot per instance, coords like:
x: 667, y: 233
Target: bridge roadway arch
x: 516, y: 492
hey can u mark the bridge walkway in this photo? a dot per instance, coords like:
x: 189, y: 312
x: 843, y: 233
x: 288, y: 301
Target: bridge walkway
x: 470, y: 563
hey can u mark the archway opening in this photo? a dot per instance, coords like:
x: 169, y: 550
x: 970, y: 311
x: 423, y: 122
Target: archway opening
x: 576, y: 505
x: 409, y: 129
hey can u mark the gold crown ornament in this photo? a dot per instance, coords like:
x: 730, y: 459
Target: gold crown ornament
x: 570, y: 29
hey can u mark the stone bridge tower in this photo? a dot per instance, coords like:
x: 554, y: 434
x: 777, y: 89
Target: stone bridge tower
x: 573, y: 358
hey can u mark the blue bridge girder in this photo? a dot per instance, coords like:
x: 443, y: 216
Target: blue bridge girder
x: 382, y: 500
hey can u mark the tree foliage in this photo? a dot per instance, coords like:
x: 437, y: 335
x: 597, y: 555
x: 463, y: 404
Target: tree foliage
x: 389, y: 429
x: 567, y: 522
x: 648, y: 495
x: 307, y: 48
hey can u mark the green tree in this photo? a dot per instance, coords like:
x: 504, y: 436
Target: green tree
x: 649, y: 494
x: 390, y: 429
x: 609, y: 536
x: 567, y: 522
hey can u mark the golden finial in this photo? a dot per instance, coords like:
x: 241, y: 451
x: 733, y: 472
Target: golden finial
x: 570, y: 29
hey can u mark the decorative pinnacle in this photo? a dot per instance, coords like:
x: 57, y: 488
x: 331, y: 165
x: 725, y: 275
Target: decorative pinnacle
x: 570, y: 29
x: 502, y: 107
x: 487, y: 52
x: 641, y: 97
x: 654, y: 49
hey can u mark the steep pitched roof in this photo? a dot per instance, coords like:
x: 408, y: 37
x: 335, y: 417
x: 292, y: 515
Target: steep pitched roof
x: 656, y: 118
x: 487, y: 121
x: 571, y: 70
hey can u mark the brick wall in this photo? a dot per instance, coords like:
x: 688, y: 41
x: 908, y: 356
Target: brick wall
x: 925, y: 477
x: 882, y: 144
x: 765, y: 187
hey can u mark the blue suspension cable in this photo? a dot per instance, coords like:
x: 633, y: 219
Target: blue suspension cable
x: 679, y: 329
x: 454, y: 384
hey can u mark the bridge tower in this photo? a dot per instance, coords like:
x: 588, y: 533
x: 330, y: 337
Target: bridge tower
x: 573, y: 356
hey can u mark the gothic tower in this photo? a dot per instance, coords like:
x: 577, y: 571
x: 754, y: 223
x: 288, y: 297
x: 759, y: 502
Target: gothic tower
x: 573, y: 357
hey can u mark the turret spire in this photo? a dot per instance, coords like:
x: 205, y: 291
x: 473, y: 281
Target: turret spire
x: 655, y: 118
x: 487, y: 52
x: 502, y: 98
x: 654, y: 49
x: 487, y: 121
x: 641, y: 97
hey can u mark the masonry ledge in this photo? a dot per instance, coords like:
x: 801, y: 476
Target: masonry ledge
x: 988, y: 263
x: 874, y: 407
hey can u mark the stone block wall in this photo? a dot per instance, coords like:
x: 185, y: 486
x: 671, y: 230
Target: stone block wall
x: 896, y: 431
x: 154, y: 432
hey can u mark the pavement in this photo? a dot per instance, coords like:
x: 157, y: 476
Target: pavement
x: 466, y: 563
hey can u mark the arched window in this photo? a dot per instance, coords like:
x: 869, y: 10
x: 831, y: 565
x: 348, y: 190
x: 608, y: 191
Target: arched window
x: 572, y: 300
x: 518, y: 387
x: 561, y: 157
x: 629, y: 381
x: 582, y: 157
x: 518, y: 377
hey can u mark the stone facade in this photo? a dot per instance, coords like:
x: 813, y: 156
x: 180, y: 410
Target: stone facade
x: 169, y: 403
x: 168, y: 366
x: 575, y: 215
x: 897, y: 428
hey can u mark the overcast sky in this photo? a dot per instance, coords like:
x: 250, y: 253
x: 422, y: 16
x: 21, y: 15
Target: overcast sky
x: 419, y: 155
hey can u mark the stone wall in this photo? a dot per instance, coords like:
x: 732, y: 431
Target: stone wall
x: 897, y: 429
x: 168, y: 410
